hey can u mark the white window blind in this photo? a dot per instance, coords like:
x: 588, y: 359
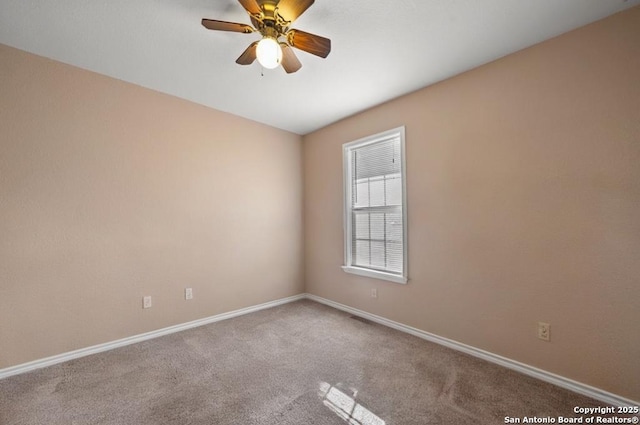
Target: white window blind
x: 375, y: 225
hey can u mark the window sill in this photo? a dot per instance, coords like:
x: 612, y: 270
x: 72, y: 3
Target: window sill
x: 375, y: 274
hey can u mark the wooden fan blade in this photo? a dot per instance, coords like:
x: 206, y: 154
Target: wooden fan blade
x: 310, y: 43
x: 290, y: 10
x: 249, y: 55
x: 212, y: 24
x: 251, y: 6
x: 290, y: 61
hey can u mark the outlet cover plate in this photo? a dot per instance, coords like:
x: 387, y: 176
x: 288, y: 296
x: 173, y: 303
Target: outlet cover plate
x: 544, y: 331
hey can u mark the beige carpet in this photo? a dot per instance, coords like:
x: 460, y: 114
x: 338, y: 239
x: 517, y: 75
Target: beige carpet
x: 300, y: 363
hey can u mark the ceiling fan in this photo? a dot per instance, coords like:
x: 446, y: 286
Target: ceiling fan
x: 272, y: 19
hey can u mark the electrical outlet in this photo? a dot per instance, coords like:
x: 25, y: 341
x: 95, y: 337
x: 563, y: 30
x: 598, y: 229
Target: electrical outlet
x: 146, y: 302
x: 188, y: 293
x: 374, y: 292
x: 544, y: 331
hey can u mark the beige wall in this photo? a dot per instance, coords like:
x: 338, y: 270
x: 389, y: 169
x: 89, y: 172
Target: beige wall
x: 109, y: 192
x: 524, y: 206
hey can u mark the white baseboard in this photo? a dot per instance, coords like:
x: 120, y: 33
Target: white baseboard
x: 49, y: 361
x: 543, y: 375
x: 540, y: 374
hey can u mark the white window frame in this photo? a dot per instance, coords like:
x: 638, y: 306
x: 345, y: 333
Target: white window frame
x: 347, y: 149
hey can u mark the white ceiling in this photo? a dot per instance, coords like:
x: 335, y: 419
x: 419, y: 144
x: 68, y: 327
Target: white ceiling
x: 380, y: 49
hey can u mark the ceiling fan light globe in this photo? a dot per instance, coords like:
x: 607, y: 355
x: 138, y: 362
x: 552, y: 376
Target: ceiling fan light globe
x: 269, y: 52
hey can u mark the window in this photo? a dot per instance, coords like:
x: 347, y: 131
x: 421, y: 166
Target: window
x: 375, y: 217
